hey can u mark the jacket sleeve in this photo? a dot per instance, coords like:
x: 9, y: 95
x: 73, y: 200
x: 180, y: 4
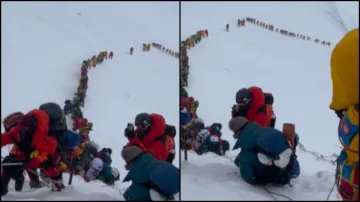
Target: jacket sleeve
x: 262, y: 119
x: 136, y: 142
x: 46, y: 147
x: 156, y: 130
x: 8, y: 137
x: 159, y: 151
x: 42, y: 125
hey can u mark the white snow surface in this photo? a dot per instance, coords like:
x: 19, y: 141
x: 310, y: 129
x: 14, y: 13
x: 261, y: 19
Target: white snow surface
x: 296, y: 72
x: 43, y: 45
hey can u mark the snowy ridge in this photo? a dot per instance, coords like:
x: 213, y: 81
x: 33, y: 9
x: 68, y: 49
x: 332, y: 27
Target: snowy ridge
x: 225, y: 62
x: 47, y: 43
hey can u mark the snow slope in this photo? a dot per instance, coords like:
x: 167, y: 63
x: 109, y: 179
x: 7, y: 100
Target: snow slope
x: 43, y: 45
x: 295, y: 71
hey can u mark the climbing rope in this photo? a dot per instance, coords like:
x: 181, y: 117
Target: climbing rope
x: 273, y: 193
x: 332, y: 189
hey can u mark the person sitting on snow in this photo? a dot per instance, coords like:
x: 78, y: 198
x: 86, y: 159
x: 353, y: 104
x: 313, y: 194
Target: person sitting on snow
x: 209, y: 140
x: 148, y: 175
x: 98, y: 170
x: 265, y: 156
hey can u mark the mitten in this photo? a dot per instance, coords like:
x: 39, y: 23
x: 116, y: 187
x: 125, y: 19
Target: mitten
x: 234, y: 110
x: 129, y: 131
x: 75, y: 153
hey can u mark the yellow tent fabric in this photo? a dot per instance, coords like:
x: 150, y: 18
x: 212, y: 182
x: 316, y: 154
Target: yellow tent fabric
x: 344, y: 64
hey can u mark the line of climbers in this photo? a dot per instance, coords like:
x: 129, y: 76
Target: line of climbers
x: 164, y: 49
x: 184, y: 69
x: 184, y: 62
x: 41, y: 140
x: 270, y: 27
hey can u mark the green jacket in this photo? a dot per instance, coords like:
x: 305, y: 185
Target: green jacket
x: 139, y: 175
x: 106, y: 175
x: 183, y: 93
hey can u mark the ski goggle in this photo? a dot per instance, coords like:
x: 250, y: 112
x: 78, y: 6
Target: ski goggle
x: 142, y: 126
x: 244, y: 100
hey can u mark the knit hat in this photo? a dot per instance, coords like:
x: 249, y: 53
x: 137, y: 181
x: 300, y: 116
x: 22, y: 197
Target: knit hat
x: 12, y: 120
x: 236, y: 123
x: 129, y: 154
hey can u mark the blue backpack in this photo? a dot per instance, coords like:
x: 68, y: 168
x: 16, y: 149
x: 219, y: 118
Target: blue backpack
x: 73, y: 140
x: 185, y: 118
x: 166, y: 179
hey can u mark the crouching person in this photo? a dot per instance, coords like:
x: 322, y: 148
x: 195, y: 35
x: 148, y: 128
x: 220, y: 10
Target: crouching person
x: 266, y: 155
x: 98, y: 170
x: 149, y: 175
x: 209, y: 140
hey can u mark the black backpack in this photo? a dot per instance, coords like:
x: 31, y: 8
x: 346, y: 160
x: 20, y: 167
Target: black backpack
x: 58, y: 127
x: 169, y: 131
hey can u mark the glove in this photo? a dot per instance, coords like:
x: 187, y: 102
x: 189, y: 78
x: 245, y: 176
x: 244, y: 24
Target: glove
x: 129, y: 131
x: 340, y: 113
x: 75, y: 153
x: 234, y: 110
x: 32, y: 165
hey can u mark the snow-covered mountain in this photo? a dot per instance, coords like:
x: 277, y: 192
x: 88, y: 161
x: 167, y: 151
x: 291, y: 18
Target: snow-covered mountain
x: 295, y: 71
x: 43, y: 45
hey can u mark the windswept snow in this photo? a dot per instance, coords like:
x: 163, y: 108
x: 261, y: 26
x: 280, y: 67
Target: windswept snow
x: 43, y: 45
x: 296, y: 72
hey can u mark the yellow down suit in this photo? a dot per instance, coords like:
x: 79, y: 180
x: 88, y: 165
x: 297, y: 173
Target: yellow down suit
x: 345, y: 78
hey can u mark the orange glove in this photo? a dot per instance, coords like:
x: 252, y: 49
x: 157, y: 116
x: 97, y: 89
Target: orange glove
x: 75, y: 153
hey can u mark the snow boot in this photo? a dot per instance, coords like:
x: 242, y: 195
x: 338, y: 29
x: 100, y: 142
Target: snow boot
x: 57, y: 183
x: 5, y: 179
x: 34, y: 179
x: 19, y: 183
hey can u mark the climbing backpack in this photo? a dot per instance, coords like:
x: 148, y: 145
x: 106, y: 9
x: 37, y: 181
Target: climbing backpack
x: 57, y: 126
x: 165, y: 179
x: 347, y: 177
x: 167, y: 139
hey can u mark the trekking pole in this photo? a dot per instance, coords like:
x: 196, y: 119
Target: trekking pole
x: 70, y: 166
x: 12, y: 164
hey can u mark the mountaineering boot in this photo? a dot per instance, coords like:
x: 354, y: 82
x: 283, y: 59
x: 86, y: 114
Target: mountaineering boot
x: 34, y: 184
x: 5, y: 179
x: 34, y: 179
x: 57, y: 183
x: 19, y: 183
